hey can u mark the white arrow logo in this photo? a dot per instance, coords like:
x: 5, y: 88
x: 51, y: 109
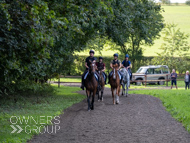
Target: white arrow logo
x: 20, y: 129
x: 15, y: 129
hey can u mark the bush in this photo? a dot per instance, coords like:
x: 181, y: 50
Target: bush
x: 188, y: 2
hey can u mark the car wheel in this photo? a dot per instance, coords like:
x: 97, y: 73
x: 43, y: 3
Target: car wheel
x: 161, y: 82
x: 139, y: 82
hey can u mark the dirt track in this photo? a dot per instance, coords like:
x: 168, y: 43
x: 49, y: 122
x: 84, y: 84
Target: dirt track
x: 137, y: 119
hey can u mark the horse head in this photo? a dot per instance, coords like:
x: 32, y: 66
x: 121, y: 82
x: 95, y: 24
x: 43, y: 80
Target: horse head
x: 92, y: 67
x: 115, y: 67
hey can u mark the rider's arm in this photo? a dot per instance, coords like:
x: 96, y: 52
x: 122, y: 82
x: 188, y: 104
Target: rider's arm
x: 129, y: 66
x: 122, y: 64
x: 111, y: 65
x: 86, y: 65
x: 104, y: 68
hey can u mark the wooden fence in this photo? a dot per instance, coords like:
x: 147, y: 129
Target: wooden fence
x: 145, y: 81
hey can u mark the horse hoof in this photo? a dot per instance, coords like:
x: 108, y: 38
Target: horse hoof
x: 117, y: 102
x: 98, y: 100
x: 88, y: 110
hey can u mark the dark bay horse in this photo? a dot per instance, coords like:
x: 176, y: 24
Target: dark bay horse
x: 91, y: 85
x: 115, y: 83
x: 102, y: 84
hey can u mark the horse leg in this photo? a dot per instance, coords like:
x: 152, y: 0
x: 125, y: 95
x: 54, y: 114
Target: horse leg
x: 123, y: 89
x: 117, y: 95
x: 98, y: 95
x: 102, y: 92
x: 113, y: 96
x: 92, y: 103
x: 88, y: 99
x: 126, y: 90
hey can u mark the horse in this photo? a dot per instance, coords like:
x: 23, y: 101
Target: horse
x: 126, y: 81
x: 91, y: 85
x: 102, y: 84
x: 115, y: 83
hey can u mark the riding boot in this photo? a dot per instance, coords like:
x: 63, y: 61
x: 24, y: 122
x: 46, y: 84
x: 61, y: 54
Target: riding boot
x: 105, y: 78
x: 82, y: 86
x: 109, y: 79
x: 121, y: 81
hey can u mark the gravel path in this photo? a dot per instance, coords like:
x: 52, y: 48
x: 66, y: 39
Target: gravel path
x: 137, y: 119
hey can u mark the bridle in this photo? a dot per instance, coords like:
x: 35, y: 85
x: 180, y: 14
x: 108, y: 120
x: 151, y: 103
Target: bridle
x: 92, y: 66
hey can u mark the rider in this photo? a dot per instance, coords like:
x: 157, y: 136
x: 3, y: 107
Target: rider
x: 113, y: 62
x: 127, y: 64
x: 88, y: 61
x: 101, y: 66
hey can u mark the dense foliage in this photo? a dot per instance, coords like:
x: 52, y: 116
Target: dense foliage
x: 187, y: 2
x: 175, y: 43
x: 38, y: 37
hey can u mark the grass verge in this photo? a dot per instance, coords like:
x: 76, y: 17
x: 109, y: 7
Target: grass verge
x: 31, y: 107
x: 176, y: 102
x: 67, y: 79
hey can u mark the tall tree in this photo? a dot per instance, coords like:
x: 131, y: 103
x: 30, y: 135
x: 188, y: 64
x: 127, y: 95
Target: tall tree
x: 174, y: 49
x: 143, y: 23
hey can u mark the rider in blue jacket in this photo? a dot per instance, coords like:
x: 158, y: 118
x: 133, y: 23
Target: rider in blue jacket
x: 127, y: 64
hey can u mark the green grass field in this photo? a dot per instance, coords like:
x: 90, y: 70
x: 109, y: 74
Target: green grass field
x: 173, y: 14
x: 66, y: 79
x: 179, y: 15
x: 29, y: 106
x: 176, y: 102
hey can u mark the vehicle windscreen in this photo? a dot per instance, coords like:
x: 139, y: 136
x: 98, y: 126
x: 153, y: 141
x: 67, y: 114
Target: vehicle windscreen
x: 141, y: 70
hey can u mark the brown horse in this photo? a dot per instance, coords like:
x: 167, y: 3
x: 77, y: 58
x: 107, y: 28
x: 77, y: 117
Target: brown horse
x: 91, y: 85
x: 115, y: 83
x: 102, y: 84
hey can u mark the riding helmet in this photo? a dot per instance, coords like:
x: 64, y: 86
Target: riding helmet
x: 101, y: 58
x: 126, y: 56
x: 116, y: 55
x: 91, y: 51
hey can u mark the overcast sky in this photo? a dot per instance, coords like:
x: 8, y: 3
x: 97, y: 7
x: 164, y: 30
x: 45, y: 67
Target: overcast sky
x: 174, y: 1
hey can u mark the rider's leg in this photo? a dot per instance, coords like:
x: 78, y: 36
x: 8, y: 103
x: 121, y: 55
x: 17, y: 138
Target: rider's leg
x: 99, y: 80
x: 82, y: 84
x: 105, y: 77
x: 121, y: 77
x: 109, y: 77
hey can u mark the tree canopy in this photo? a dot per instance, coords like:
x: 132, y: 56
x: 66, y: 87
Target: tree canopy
x: 38, y: 37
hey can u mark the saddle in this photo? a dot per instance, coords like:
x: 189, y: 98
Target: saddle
x: 96, y: 76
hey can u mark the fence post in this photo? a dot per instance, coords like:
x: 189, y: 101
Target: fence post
x: 167, y: 80
x: 59, y: 82
x: 145, y: 80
